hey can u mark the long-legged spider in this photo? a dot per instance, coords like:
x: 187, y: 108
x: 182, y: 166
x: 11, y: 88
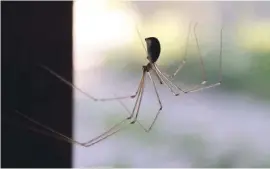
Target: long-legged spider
x: 153, y: 50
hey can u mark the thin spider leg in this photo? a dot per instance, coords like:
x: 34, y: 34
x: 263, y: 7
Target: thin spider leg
x: 109, y: 133
x: 140, y: 101
x: 183, y: 62
x: 160, y: 80
x: 220, y: 55
x: 135, y: 105
x: 220, y: 71
x: 125, y: 97
x: 114, y: 129
x: 159, y: 101
x: 201, y: 63
x: 67, y: 82
x: 103, y: 138
x: 202, y: 66
x: 83, y: 92
x: 49, y: 131
x: 198, y: 88
x: 164, y: 82
x: 139, y: 34
x: 48, y: 128
x: 48, y: 134
x: 40, y: 131
x: 202, y: 88
x: 130, y: 114
x: 137, y: 29
x: 168, y: 80
x: 138, y: 96
x: 200, y: 56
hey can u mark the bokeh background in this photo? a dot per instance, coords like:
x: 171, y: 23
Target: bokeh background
x: 226, y: 126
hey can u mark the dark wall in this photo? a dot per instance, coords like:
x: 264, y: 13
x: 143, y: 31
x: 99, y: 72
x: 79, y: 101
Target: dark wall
x: 35, y: 34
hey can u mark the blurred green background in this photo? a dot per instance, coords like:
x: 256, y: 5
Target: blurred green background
x: 226, y: 126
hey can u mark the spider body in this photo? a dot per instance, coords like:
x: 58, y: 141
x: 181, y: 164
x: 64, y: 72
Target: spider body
x: 147, y: 67
x: 153, y: 49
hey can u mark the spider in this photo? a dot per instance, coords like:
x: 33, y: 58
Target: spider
x: 153, y: 50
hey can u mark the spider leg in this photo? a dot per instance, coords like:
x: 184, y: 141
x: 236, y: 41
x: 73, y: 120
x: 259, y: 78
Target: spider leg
x: 130, y: 6
x: 139, y: 100
x: 183, y: 62
x: 160, y: 104
x: 201, y: 86
x: 159, y: 78
x: 120, y: 101
x: 34, y: 129
x: 140, y: 96
x: 113, y: 130
x: 117, y: 127
x: 198, y: 87
x: 138, y: 104
x: 50, y: 132
x: 83, y: 92
x: 202, y: 66
x: 67, y: 82
x: 169, y: 84
x: 204, y: 80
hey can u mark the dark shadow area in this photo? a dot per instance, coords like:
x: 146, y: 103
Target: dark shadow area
x: 34, y: 34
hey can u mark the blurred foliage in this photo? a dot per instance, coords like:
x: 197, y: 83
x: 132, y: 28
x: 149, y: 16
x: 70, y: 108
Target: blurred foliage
x: 255, y: 81
x: 195, y: 146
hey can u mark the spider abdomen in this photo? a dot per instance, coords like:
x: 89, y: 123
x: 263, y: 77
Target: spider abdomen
x: 153, y: 49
